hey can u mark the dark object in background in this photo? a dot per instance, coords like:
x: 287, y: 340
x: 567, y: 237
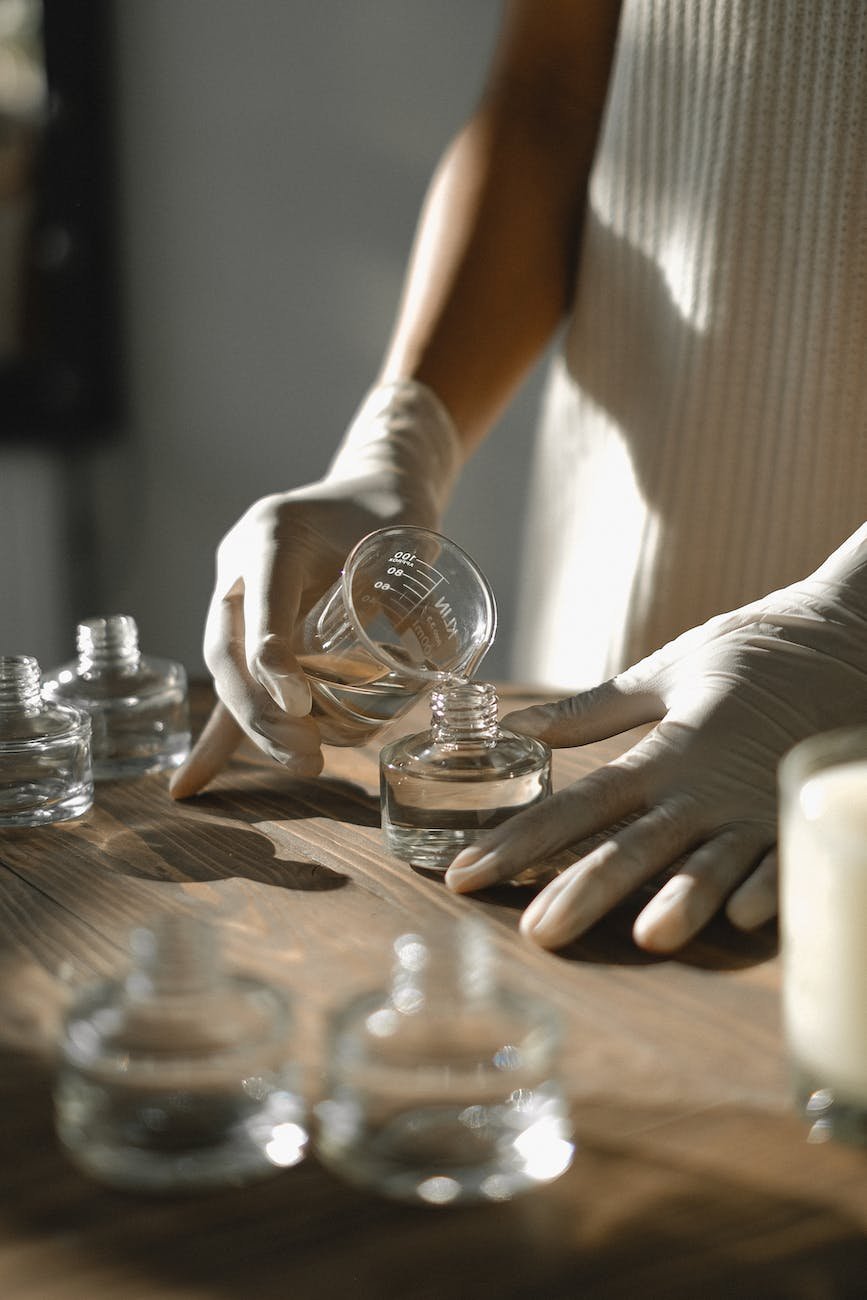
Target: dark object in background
x: 59, y: 356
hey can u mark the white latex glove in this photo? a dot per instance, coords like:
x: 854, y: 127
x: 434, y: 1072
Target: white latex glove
x: 396, y: 464
x: 731, y: 697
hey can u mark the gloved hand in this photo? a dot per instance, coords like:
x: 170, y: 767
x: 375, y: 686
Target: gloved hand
x: 396, y: 464
x: 730, y: 698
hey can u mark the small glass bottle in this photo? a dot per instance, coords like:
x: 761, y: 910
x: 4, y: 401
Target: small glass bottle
x: 442, y: 788
x: 137, y: 704
x: 177, y: 1077
x: 45, y: 764
x: 445, y: 1088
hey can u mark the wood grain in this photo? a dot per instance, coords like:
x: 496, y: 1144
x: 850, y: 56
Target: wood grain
x: 693, y: 1175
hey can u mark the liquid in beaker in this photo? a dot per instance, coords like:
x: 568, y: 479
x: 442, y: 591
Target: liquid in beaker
x: 411, y: 609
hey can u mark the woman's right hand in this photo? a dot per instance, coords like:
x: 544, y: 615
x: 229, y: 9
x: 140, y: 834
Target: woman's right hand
x: 395, y: 466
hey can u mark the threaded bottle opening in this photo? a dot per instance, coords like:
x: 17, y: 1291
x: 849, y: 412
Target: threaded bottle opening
x: 20, y: 682
x: 465, y: 711
x: 110, y: 642
x: 449, y: 969
x: 176, y: 955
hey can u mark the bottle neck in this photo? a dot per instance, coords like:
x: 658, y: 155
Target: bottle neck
x: 108, y: 644
x: 176, y: 956
x: 20, y: 684
x: 465, y: 713
x: 447, y: 970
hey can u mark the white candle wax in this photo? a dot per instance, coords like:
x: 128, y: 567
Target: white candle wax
x: 823, y: 850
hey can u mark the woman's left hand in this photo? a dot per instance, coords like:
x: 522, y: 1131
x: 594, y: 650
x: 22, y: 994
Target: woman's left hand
x: 728, y: 699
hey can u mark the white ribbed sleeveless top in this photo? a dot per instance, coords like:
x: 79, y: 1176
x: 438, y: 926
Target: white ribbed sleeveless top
x: 704, y: 431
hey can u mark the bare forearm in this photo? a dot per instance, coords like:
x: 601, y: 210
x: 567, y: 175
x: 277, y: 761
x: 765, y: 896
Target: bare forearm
x: 493, y: 265
x: 489, y: 278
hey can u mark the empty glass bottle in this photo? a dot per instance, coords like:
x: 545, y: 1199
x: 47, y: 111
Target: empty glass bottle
x: 45, y: 766
x: 137, y: 704
x: 178, y: 1077
x: 443, y: 787
x: 445, y: 1087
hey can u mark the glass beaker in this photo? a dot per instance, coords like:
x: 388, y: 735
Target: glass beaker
x: 409, y: 610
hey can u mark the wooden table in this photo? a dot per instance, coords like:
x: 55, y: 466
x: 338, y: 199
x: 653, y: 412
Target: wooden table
x: 693, y: 1177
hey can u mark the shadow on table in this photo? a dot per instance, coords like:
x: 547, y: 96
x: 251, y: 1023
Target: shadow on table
x: 221, y: 834
x: 627, y: 1220
x: 273, y: 796
x: 719, y: 946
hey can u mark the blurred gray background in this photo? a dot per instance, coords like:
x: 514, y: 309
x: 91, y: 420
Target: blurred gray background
x: 272, y: 157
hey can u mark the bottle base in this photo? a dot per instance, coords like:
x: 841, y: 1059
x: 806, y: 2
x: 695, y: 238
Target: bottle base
x: 434, y: 851
x: 43, y: 803
x: 151, y: 1150
x: 132, y: 1170
x: 429, y: 848
x: 445, y: 1156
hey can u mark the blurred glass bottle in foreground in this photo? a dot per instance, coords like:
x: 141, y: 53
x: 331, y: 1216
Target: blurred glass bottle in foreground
x: 45, y: 763
x: 178, y: 1077
x: 137, y: 704
x: 443, y: 787
x: 444, y: 1088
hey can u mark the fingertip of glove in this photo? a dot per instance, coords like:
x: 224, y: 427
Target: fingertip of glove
x: 653, y: 935
x: 533, y: 722
x: 748, y: 914
x: 183, y: 782
x: 302, y: 765
x: 544, y: 931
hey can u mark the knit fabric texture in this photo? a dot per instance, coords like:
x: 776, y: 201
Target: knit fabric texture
x: 704, y: 431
